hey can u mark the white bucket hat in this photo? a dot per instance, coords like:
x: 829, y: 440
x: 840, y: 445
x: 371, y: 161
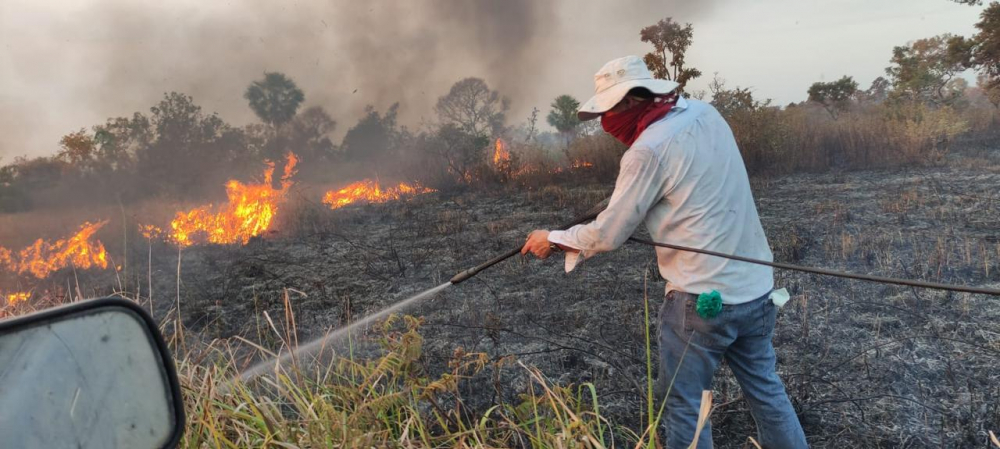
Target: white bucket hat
x: 615, y: 79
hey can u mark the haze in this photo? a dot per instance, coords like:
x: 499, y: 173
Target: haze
x: 71, y: 64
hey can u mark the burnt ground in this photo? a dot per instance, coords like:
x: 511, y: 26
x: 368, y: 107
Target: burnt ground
x: 866, y: 365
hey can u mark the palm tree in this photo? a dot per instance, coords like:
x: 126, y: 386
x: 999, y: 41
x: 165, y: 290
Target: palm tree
x: 275, y: 99
x: 563, y: 116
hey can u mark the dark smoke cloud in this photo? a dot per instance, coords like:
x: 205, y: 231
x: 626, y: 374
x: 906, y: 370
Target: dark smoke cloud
x: 413, y: 53
x: 113, y: 57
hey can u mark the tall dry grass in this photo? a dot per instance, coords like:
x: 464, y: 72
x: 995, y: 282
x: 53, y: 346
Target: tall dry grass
x: 779, y: 141
x: 805, y: 138
x: 389, y: 400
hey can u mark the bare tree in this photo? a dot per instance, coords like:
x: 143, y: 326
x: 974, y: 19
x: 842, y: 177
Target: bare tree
x: 473, y: 107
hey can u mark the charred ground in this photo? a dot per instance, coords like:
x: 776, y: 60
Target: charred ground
x: 865, y: 364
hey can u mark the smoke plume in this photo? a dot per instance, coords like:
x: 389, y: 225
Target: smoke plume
x: 107, y: 58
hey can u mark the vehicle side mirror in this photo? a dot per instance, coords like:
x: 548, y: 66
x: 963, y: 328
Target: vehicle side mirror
x: 92, y: 374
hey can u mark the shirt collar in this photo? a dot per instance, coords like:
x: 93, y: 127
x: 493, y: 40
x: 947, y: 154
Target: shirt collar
x: 681, y: 105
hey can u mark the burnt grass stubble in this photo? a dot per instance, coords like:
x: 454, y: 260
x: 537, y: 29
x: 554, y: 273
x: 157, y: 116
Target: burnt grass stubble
x: 866, y: 365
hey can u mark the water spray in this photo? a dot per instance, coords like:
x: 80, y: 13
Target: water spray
x: 337, y: 334
x: 332, y: 337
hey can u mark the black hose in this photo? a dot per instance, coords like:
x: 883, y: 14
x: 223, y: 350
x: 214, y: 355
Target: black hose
x: 593, y: 212
x: 826, y: 272
x: 465, y: 275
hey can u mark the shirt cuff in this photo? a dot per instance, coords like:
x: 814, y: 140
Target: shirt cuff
x: 572, y: 258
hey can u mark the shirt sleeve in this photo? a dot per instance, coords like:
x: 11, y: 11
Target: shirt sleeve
x: 639, y: 186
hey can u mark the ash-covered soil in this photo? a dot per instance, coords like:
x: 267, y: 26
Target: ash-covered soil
x: 866, y: 365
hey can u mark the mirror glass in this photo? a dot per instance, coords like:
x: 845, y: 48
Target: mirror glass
x: 93, y: 379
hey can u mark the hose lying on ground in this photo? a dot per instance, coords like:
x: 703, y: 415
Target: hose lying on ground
x: 826, y: 272
x: 594, y: 211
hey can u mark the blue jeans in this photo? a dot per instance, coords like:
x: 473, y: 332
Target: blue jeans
x: 741, y: 334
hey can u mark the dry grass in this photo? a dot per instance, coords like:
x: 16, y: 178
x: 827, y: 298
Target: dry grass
x: 805, y: 138
x: 389, y: 400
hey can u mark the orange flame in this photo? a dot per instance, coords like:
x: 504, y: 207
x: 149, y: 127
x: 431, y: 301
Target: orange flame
x: 502, y: 162
x: 43, y: 258
x: 16, y: 297
x: 501, y: 156
x: 248, y: 213
x: 150, y: 232
x: 369, y: 191
x: 5, y: 260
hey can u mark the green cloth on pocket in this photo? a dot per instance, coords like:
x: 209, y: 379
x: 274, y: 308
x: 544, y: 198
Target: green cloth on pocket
x: 709, y: 304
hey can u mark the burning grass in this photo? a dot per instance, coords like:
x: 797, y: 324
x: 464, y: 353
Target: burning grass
x: 528, y: 166
x: 17, y: 297
x: 43, y: 257
x: 248, y: 213
x: 369, y: 191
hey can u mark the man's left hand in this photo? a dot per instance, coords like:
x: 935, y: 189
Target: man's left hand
x: 538, y: 244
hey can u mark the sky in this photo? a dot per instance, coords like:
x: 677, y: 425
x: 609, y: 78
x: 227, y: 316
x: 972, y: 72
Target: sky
x: 72, y: 64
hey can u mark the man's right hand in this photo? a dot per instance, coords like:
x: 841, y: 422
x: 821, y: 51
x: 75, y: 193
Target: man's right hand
x: 538, y: 244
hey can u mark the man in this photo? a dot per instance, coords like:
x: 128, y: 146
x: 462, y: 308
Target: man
x: 683, y: 175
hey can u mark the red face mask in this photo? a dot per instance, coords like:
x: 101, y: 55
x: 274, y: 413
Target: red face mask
x: 627, y: 125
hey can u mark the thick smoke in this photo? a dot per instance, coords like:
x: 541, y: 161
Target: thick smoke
x: 414, y: 53
x: 110, y: 58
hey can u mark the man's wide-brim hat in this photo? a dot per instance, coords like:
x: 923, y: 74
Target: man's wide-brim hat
x: 615, y: 79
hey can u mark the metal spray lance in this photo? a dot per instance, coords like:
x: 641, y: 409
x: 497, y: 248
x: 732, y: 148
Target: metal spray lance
x: 467, y: 274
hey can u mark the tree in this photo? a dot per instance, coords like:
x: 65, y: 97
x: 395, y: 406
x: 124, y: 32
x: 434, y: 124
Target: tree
x: 120, y: 139
x: 728, y: 101
x: 563, y: 116
x: 372, y: 139
x: 991, y: 90
x: 835, y: 96
x: 532, y: 129
x: 186, y: 148
x: 473, y: 107
x: 462, y: 151
x: 877, y: 92
x: 670, y: 37
x: 12, y: 198
x: 310, y: 133
x: 307, y: 135
x: 37, y: 174
x: 79, y: 150
x: 986, y: 47
x: 274, y: 99
x: 922, y: 70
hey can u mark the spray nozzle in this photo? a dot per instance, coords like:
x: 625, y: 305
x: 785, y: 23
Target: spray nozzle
x: 465, y: 275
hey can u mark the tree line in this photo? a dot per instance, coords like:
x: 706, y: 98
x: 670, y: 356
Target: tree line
x: 176, y: 150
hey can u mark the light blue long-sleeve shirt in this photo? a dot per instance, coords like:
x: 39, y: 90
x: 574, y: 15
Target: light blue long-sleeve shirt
x: 685, y: 178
